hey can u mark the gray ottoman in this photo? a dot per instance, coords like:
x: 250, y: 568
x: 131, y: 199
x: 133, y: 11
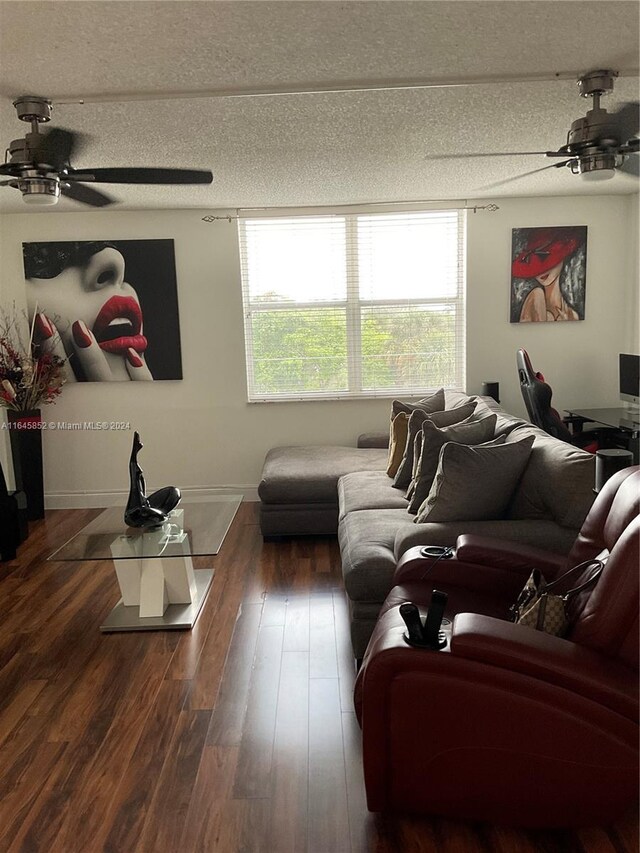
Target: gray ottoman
x: 299, y: 487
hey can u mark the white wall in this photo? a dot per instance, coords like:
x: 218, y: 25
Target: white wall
x: 201, y: 433
x: 579, y: 359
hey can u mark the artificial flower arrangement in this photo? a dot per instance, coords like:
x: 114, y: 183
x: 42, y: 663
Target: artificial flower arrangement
x: 29, y: 374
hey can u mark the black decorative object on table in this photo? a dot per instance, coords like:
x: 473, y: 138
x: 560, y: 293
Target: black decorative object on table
x: 25, y: 436
x: 143, y: 511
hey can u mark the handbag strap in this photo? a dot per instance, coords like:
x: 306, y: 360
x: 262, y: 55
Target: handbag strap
x: 592, y: 580
x: 599, y: 565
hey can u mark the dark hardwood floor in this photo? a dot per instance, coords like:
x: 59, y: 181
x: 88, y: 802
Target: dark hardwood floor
x: 236, y: 736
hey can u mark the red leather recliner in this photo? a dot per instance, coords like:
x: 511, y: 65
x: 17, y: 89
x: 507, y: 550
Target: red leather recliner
x: 508, y: 724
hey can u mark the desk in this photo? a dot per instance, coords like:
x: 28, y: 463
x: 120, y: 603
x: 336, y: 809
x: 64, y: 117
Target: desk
x: 624, y: 420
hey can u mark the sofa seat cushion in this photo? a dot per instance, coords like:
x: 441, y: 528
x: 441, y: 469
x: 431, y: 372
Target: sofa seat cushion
x: 366, y: 543
x: 310, y: 474
x: 368, y: 490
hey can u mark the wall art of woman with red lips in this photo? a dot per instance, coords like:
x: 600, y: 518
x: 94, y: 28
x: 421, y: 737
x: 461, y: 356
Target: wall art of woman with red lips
x: 111, y: 308
x: 548, y: 274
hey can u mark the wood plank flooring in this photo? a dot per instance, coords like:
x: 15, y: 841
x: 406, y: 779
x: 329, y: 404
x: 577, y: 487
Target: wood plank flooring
x: 237, y: 736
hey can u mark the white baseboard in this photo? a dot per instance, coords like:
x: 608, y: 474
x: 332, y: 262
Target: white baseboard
x: 92, y: 500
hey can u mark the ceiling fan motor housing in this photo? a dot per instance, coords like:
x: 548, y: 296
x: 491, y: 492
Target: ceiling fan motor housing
x: 594, y: 129
x: 24, y: 151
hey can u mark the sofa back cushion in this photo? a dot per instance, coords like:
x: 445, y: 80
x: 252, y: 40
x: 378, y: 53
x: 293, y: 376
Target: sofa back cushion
x: 486, y: 405
x: 557, y: 483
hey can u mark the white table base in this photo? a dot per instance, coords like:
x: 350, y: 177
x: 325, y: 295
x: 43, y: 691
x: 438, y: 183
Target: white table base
x: 177, y: 616
x: 159, y: 591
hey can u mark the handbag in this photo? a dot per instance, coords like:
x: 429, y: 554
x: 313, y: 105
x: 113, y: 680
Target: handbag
x: 542, y: 607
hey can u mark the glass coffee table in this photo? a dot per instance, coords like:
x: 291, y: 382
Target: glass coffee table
x: 160, y: 588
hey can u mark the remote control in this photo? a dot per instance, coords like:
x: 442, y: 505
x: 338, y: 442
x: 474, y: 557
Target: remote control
x: 434, y: 618
x: 411, y: 616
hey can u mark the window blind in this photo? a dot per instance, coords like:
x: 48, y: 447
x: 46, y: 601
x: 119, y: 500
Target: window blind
x: 353, y: 305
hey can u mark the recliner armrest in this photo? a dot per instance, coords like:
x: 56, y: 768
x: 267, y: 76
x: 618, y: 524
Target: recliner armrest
x: 500, y: 553
x: 505, y: 580
x: 548, y: 658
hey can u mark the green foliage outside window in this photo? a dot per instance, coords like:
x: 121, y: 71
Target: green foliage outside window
x: 300, y: 350
x: 306, y: 350
x: 414, y: 348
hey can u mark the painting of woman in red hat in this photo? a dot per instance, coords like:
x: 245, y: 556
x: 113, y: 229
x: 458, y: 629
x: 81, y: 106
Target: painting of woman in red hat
x: 548, y: 274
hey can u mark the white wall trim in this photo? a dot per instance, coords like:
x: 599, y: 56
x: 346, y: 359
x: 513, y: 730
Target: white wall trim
x: 97, y: 499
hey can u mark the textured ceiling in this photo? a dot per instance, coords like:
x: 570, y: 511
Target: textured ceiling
x: 328, y: 148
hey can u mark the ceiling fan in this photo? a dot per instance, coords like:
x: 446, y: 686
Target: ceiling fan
x: 599, y: 144
x: 39, y: 164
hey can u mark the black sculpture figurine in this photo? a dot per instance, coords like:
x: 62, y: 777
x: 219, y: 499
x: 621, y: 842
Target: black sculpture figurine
x: 143, y: 511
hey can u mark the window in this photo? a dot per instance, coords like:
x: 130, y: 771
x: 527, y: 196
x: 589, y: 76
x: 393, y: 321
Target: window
x: 354, y: 305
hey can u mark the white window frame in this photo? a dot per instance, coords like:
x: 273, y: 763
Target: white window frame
x: 354, y: 305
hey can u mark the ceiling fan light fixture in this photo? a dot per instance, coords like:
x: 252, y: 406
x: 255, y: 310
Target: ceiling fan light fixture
x: 599, y: 175
x: 41, y: 192
x: 595, y: 167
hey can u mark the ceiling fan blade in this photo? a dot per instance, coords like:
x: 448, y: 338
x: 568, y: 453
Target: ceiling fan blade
x: 10, y: 169
x: 632, y: 147
x: 494, y: 154
x: 523, y: 175
x: 86, y: 195
x: 627, y: 121
x: 631, y: 166
x: 56, y: 147
x: 142, y: 176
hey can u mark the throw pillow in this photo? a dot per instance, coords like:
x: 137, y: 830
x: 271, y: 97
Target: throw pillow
x: 417, y: 450
x: 434, y: 403
x: 467, y: 432
x: 475, y: 483
x: 453, y: 416
x: 397, y: 442
x: 404, y: 474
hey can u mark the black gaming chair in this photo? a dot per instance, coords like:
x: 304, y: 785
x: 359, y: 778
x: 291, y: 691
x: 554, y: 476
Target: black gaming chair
x: 537, y: 398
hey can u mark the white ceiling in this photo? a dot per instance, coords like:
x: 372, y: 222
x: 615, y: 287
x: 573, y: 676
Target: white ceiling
x: 317, y: 149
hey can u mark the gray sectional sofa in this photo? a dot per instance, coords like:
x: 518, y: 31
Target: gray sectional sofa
x: 299, y: 487
x: 307, y: 489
